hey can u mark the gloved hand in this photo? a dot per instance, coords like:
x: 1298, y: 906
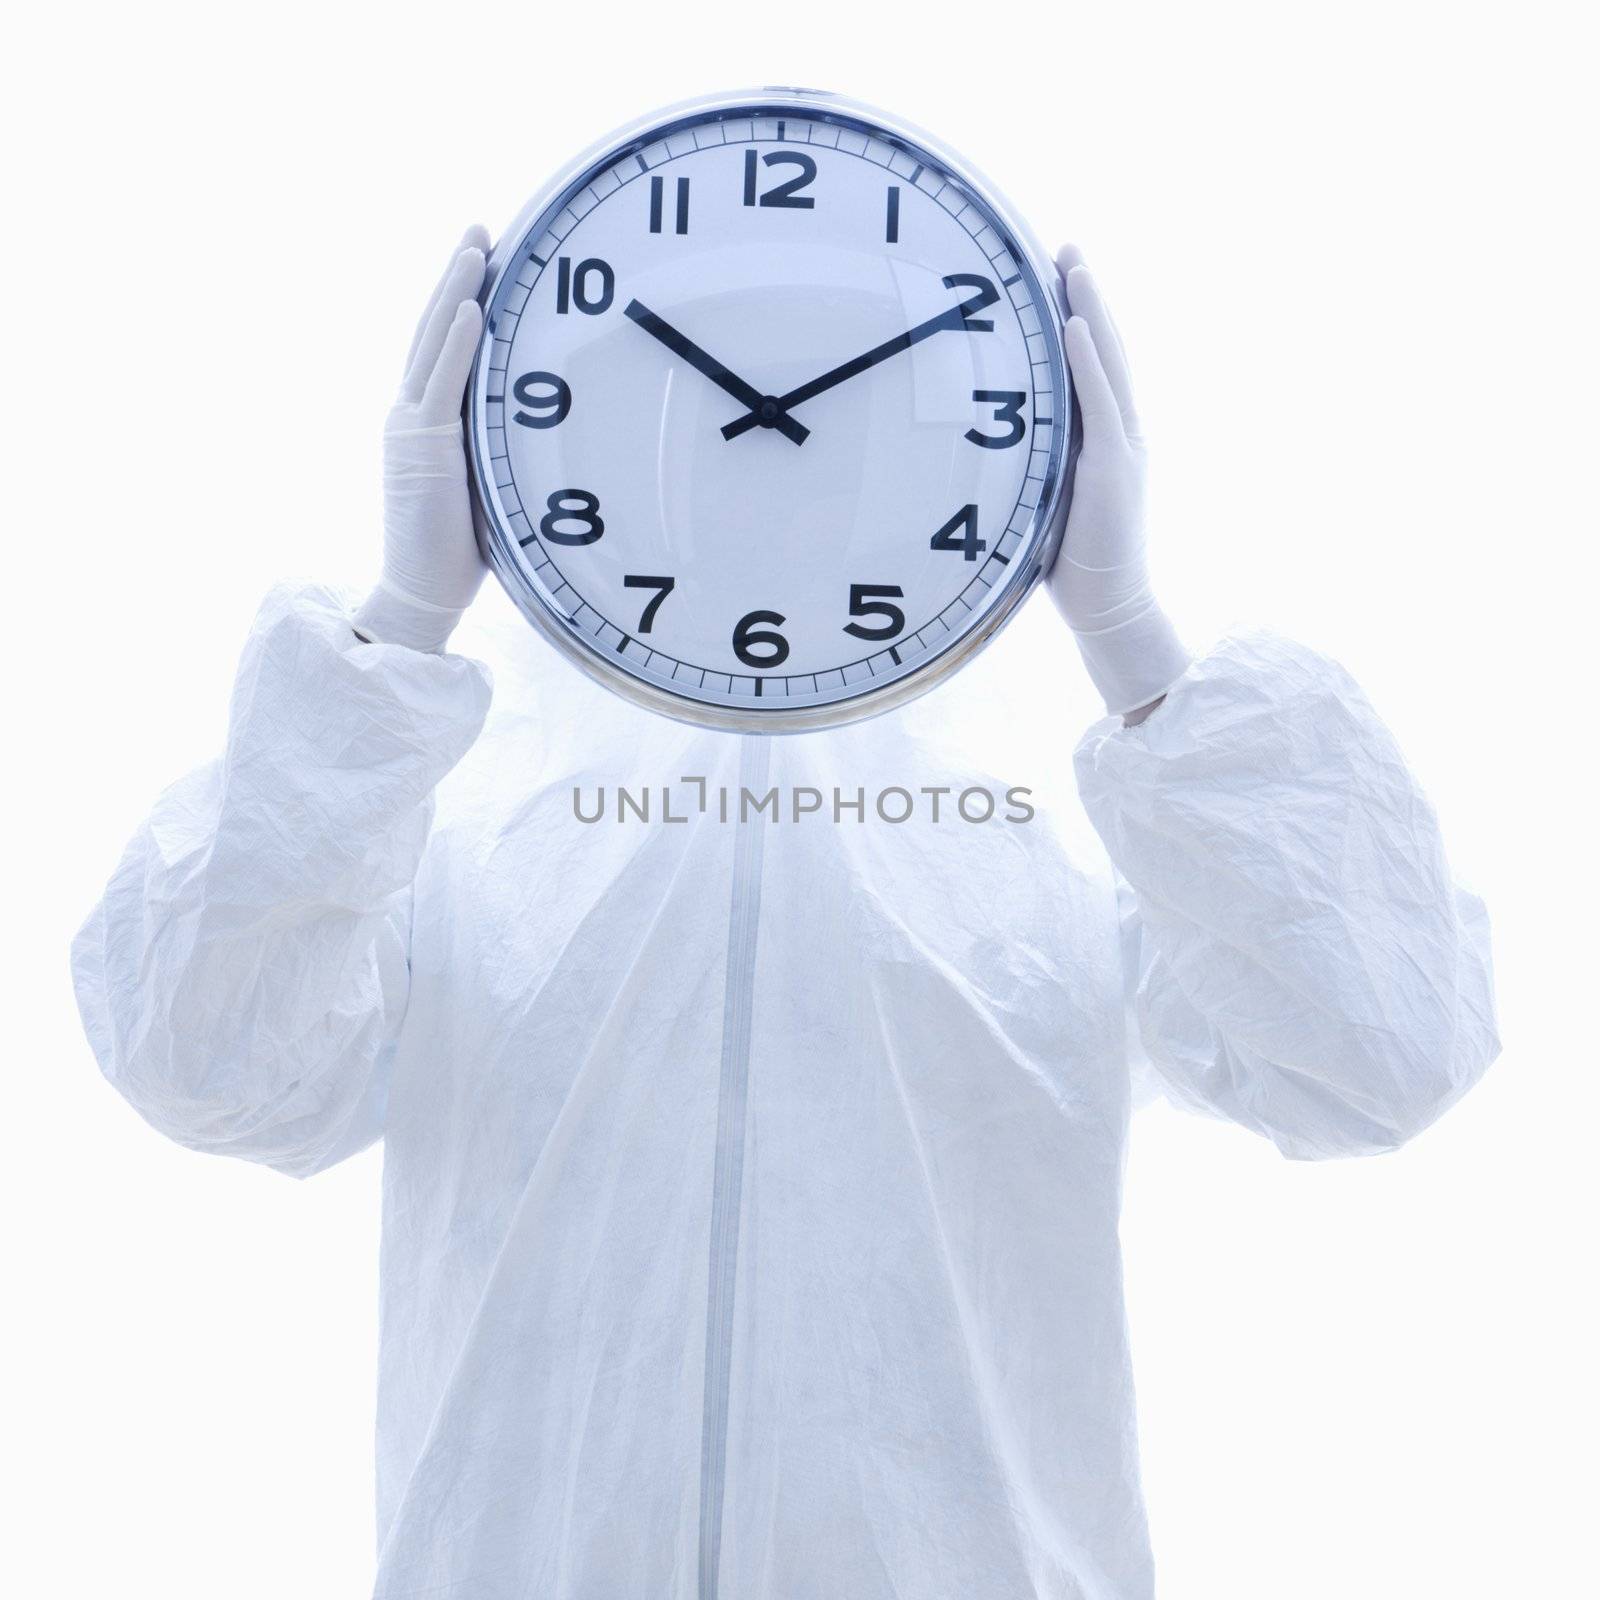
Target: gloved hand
x: 431, y: 565
x: 1099, y: 582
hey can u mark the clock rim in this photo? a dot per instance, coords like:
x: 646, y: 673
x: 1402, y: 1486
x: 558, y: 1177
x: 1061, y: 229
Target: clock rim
x: 1045, y: 527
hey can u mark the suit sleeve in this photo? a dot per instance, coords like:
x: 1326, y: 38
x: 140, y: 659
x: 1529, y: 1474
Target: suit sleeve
x: 1301, y: 960
x: 244, y: 978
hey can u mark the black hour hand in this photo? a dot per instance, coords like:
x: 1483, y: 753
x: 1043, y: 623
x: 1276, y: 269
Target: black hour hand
x: 765, y: 410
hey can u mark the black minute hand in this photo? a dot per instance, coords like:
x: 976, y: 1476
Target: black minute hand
x: 956, y: 317
x: 746, y: 394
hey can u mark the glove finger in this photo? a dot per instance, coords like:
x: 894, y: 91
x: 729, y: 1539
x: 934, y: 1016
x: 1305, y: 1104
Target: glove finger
x: 441, y: 399
x: 1086, y: 301
x: 1068, y: 257
x: 476, y: 237
x: 1115, y: 333
x: 462, y: 281
x: 462, y: 284
x: 1102, y: 416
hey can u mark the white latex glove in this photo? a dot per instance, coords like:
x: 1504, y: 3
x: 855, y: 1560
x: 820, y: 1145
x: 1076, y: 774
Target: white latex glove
x: 1099, y: 582
x: 431, y: 565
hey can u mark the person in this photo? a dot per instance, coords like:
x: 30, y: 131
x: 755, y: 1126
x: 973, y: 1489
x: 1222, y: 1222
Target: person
x: 751, y: 1186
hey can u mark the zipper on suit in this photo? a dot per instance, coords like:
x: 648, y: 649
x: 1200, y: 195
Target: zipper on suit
x: 727, y: 1176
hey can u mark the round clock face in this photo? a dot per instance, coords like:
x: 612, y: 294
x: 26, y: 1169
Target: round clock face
x: 770, y: 422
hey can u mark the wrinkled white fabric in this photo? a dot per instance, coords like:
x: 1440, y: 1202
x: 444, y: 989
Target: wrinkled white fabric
x: 751, y: 1189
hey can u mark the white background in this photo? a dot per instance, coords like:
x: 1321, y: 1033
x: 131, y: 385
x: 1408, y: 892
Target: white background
x: 1350, y: 250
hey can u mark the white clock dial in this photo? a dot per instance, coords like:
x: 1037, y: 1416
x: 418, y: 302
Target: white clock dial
x: 770, y: 421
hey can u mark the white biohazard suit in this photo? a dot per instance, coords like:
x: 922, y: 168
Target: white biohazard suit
x: 751, y: 1181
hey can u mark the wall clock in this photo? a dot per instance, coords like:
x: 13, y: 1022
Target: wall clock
x: 771, y: 427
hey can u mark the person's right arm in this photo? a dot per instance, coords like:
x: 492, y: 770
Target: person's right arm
x: 244, y: 978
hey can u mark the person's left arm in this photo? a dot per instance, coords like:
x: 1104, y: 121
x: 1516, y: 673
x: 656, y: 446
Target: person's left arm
x: 1302, y: 961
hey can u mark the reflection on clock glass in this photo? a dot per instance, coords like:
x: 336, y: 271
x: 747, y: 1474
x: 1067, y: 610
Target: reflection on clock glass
x: 767, y: 410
